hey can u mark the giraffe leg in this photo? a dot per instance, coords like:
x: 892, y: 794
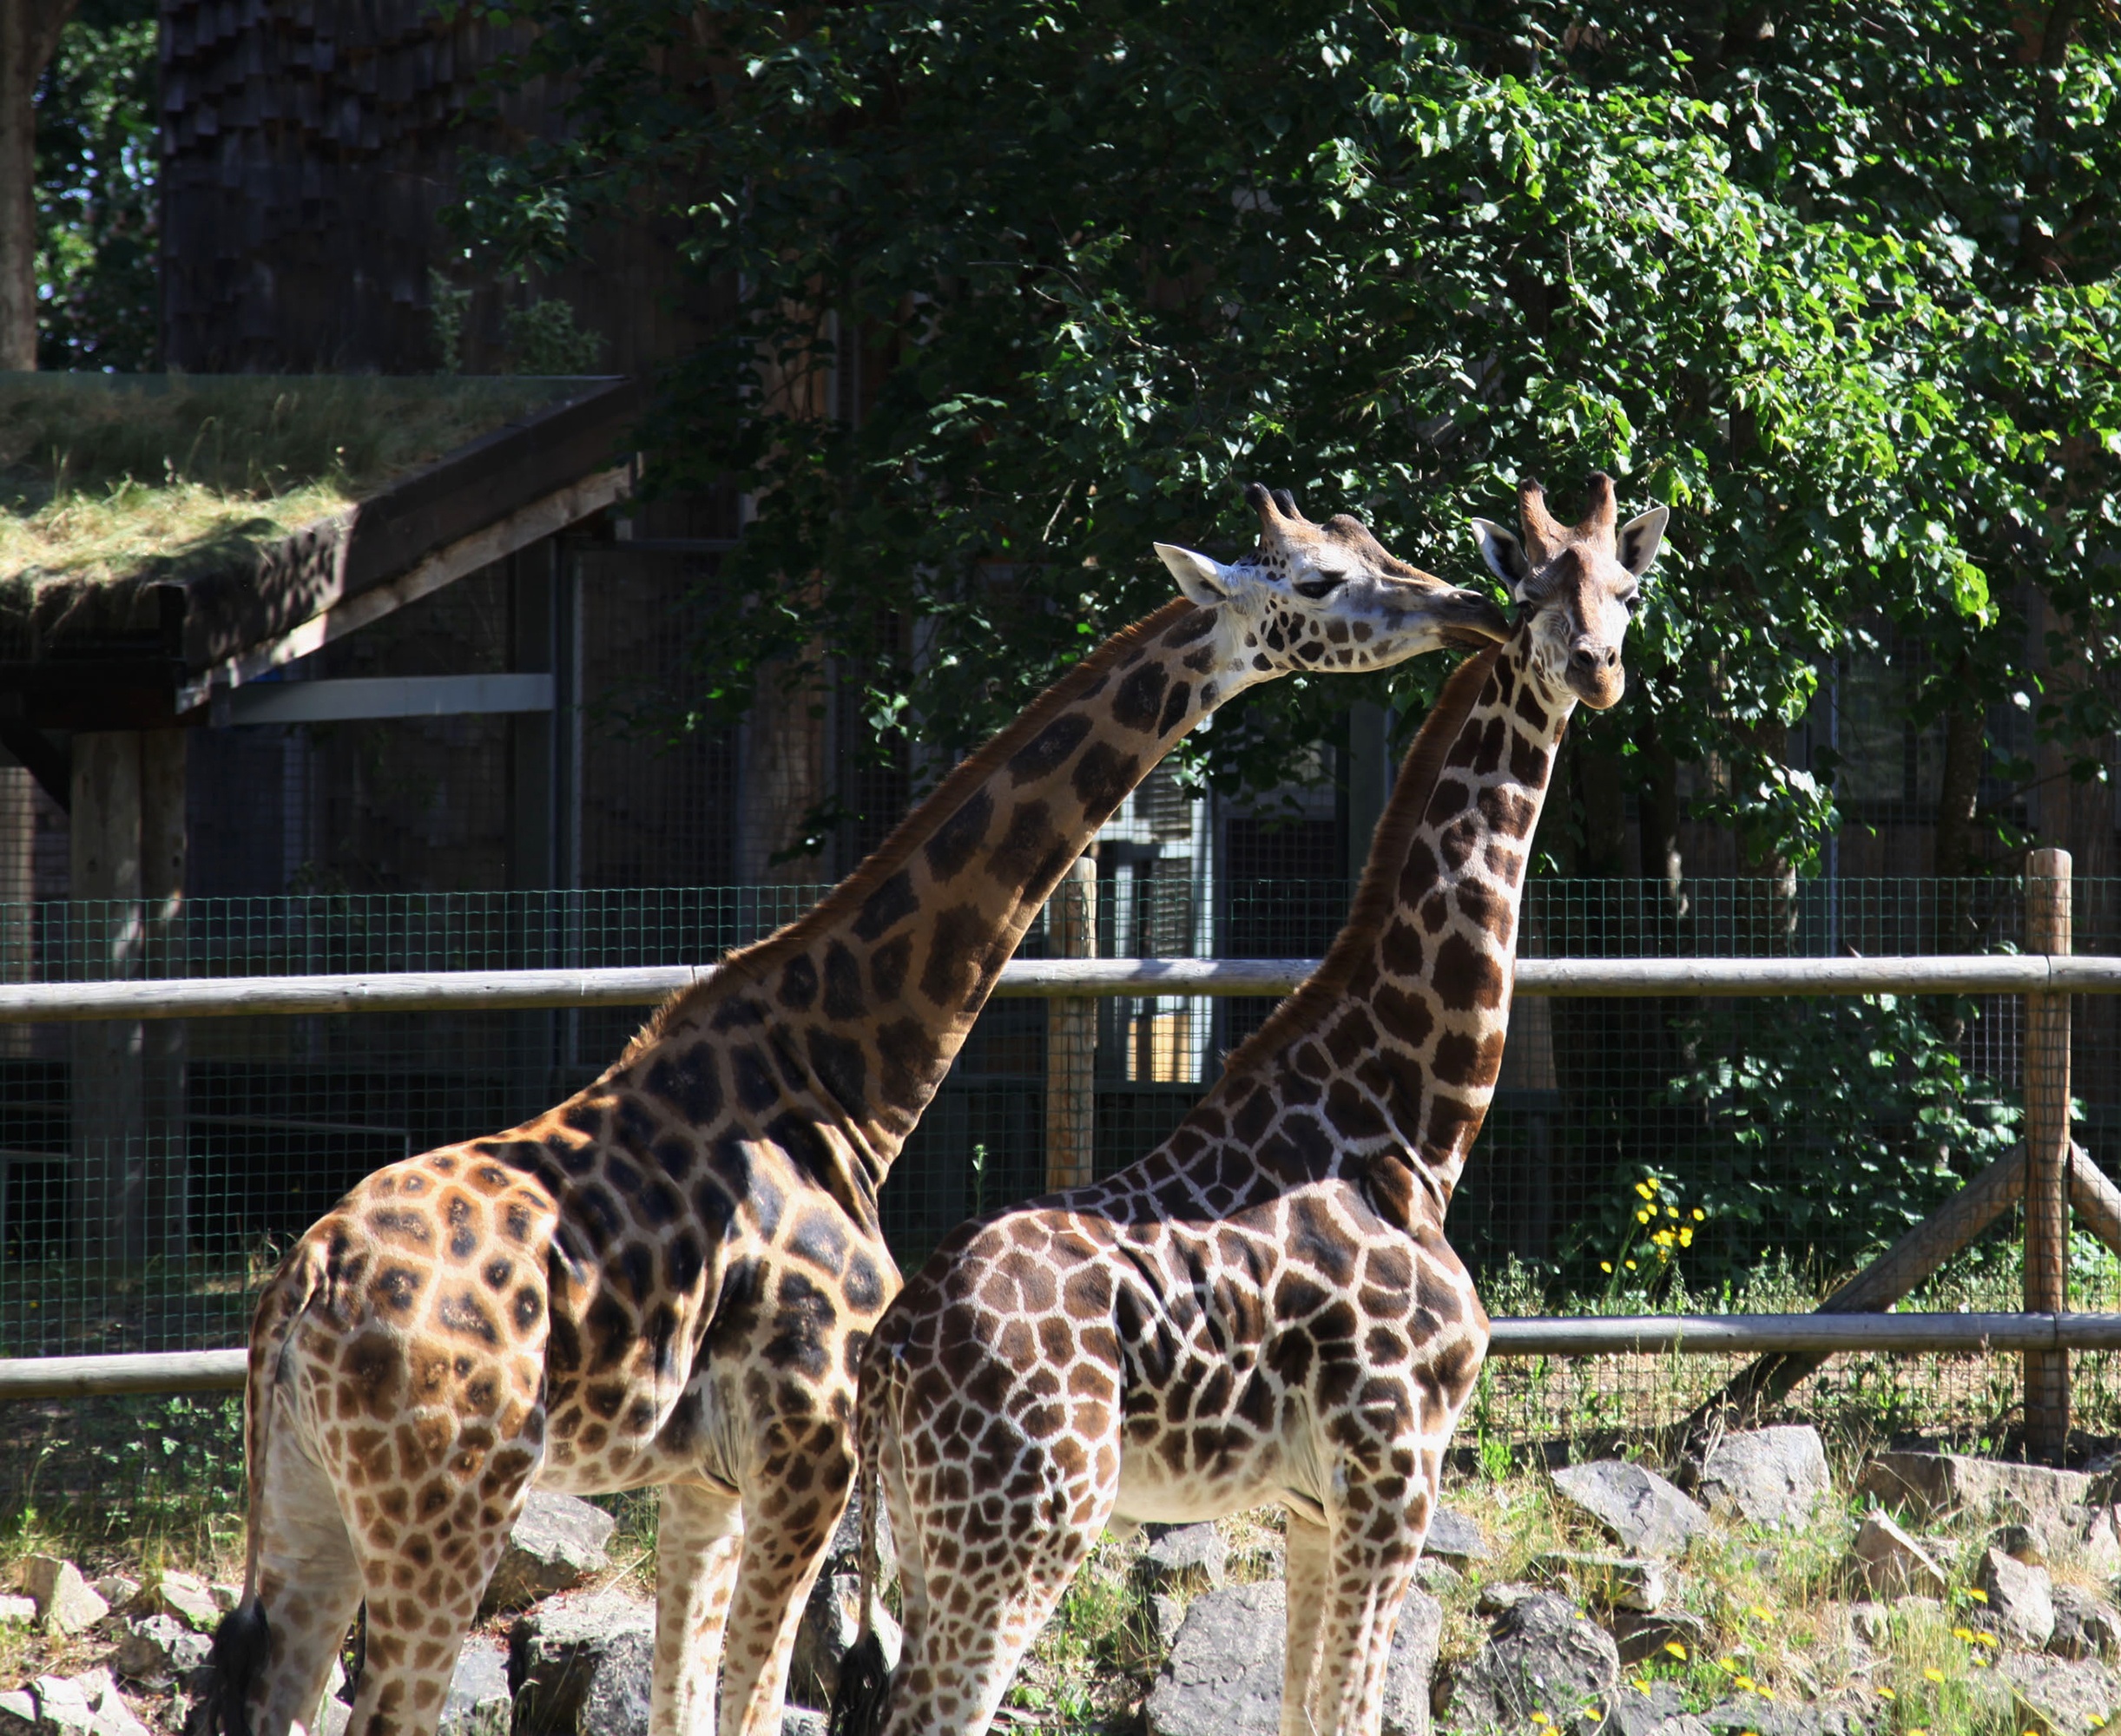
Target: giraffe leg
x: 790, y: 1511
x: 1306, y: 1580
x: 698, y: 1540
x: 1367, y: 1579
x: 307, y: 1581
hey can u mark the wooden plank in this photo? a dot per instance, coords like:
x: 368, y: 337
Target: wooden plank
x: 1071, y: 1035
x: 372, y: 696
x: 496, y: 990
x: 86, y: 1377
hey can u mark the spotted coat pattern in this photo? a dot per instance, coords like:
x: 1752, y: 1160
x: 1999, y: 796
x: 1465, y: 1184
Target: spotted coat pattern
x: 668, y: 1279
x: 1263, y: 1309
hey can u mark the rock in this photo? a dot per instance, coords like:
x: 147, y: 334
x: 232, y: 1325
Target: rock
x: 800, y: 1720
x: 1455, y: 1537
x: 1770, y: 1477
x: 1748, y: 1714
x: 87, y: 1705
x: 1504, y: 1595
x: 1871, y: 1623
x: 1886, y: 1558
x: 843, y: 1553
x: 1643, y: 1638
x: 156, y: 1647
x: 1644, y: 1512
x: 831, y: 1621
x: 65, y: 1602
x: 1224, y: 1674
x: 1436, y: 1578
x: 116, y: 1589
x: 2086, y: 1625
x: 21, y: 1609
x: 1166, y: 1616
x: 2019, y: 1603
x: 1930, y: 1485
x: 2020, y: 1542
x: 225, y: 1596
x: 478, y: 1702
x: 580, y: 1666
x: 1191, y: 1558
x: 186, y: 1597
x: 556, y: 1544
x: 1543, y: 1656
x: 2100, y: 1550
x: 2056, y: 1697
x: 1610, y: 1581
x: 1642, y: 1711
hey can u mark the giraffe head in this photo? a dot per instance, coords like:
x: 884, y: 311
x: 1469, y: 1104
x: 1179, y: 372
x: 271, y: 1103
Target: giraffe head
x: 1328, y: 596
x: 1576, y: 586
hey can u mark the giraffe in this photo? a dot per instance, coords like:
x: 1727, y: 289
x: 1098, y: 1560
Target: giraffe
x: 1264, y: 1308
x: 667, y: 1279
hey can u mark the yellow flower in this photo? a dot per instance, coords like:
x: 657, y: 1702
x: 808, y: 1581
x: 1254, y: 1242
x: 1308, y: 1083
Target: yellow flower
x: 1642, y: 1217
x: 1645, y: 1189
x: 1605, y: 1265
x: 1919, y: 1730
x: 1686, y: 1237
x: 1977, y: 1593
x: 1671, y: 1211
x: 1962, y: 1633
x: 1676, y: 1649
x: 1934, y: 1675
x: 1630, y: 1264
x: 1699, y: 1214
x: 2097, y: 1723
x: 1986, y: 1640
x: 1759, y: 1612
x: 1539, y: 1718
x: 1745, y: 1681
x: 1886, y: 1693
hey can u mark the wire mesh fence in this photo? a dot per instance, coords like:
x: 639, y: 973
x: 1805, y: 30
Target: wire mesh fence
x: 1643, y: 1155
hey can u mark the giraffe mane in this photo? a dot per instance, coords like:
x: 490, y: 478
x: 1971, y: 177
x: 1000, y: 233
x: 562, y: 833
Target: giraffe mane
x: 752, y: 961
x: 1377, y: 893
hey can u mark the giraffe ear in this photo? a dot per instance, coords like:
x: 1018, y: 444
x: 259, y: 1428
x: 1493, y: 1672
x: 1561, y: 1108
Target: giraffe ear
x: 1200, y: 578
x: 1640, y: 538
x: 1504, y: 554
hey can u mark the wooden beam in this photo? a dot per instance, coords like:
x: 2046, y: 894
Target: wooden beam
x: 376, y: 696
x: 2047, y: 1154
x: 44, y: 758
x: 541, y: 519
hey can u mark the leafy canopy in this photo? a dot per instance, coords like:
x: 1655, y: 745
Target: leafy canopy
x: 1836, y: 284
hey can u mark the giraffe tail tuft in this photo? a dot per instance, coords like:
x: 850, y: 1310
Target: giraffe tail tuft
x: 863, y: 1698
x: 239, y: 1649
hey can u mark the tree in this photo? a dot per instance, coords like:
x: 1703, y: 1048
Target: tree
x: 28, y: 32
x: 1836, y: 286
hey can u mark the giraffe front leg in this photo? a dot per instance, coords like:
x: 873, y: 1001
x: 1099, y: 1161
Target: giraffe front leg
x: 1306, y: 1580
x: 1376, y: 1540
x: 698, y: 1541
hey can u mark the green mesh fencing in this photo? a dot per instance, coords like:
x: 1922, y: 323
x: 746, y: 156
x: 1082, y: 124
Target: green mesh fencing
x: 1643, y: 1155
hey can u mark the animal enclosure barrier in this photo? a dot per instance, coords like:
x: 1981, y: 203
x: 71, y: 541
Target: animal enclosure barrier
x: 1717, y: 1108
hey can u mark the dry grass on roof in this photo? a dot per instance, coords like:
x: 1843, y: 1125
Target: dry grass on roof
x: 110, y: 478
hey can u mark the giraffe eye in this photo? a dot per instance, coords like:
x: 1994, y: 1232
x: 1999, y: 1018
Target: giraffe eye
x: 1324, y: 585
x: 1632, y: 602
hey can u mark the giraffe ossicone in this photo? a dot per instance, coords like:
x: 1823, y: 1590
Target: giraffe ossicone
x: 667, y: 1279
x: 1264, y: 1308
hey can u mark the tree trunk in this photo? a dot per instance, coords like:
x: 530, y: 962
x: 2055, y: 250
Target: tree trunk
x: 1957, y: 798
x: 1662, y: 857
x: 28, y: 33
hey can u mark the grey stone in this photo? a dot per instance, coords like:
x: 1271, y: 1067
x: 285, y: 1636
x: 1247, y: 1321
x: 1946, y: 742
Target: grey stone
x: 20, y: 1609
x: 157, y: 1647
x: 116, y: 1589
x: 843, y: 1553
x: 1543, y: 1656
x: 1191, y: 1558
x: 87, y: 1705
x: 1886, y: 1558
x: 1505, y: 1594
x: 1223, y: 1677
x: 65, y: 1603
x: 2058, y: 1697
x: 1644, y: 1638
x: 830, y: 1621
x: 225, y: 1596
x: 1871, y: 1623
x: 556, y: 1544
x: 800, y: 1720
x: 1437, y: 1577
x: 2099, y: 1548
x: 2019, y: 1605
x: 478, y: 1702
x: 1455, y: 1537
x: 2086, y: 1625
x: 581, y: 1667
x: 1930, y: 1485
x: 1768, y: 1476
x: 186, y: 1597
x: 1749, y: 1712
x: 1642, y: 1511
x: 1641, y: 1711
x: 1610, y: 1581
x: 1166, y: 1616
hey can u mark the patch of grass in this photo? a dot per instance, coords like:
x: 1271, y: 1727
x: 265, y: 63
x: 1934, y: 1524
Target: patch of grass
x: 105, y: 478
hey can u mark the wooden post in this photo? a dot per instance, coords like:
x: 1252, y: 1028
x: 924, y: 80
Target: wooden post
x: 2047, y: 1155
x: 1072, y: 1034
x: 107, y: 1096
x: 165, y: 1044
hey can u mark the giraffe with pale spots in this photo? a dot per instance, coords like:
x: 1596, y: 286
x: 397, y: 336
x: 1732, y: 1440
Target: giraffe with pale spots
x: 668, y: 1280
x: 1264, y: 1308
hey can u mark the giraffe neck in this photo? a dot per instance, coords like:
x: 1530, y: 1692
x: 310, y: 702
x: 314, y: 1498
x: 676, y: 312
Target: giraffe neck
x: 1398, y: 1035
x: 846, y: 1020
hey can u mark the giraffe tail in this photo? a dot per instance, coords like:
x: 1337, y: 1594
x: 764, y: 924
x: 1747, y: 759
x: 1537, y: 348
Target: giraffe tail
x: 244, y: 1637
x: 862, y: 1699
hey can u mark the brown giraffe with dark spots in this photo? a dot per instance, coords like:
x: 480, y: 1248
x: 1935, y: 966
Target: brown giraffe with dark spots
x: 1264, y: 1309
x: 669, y: 1279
